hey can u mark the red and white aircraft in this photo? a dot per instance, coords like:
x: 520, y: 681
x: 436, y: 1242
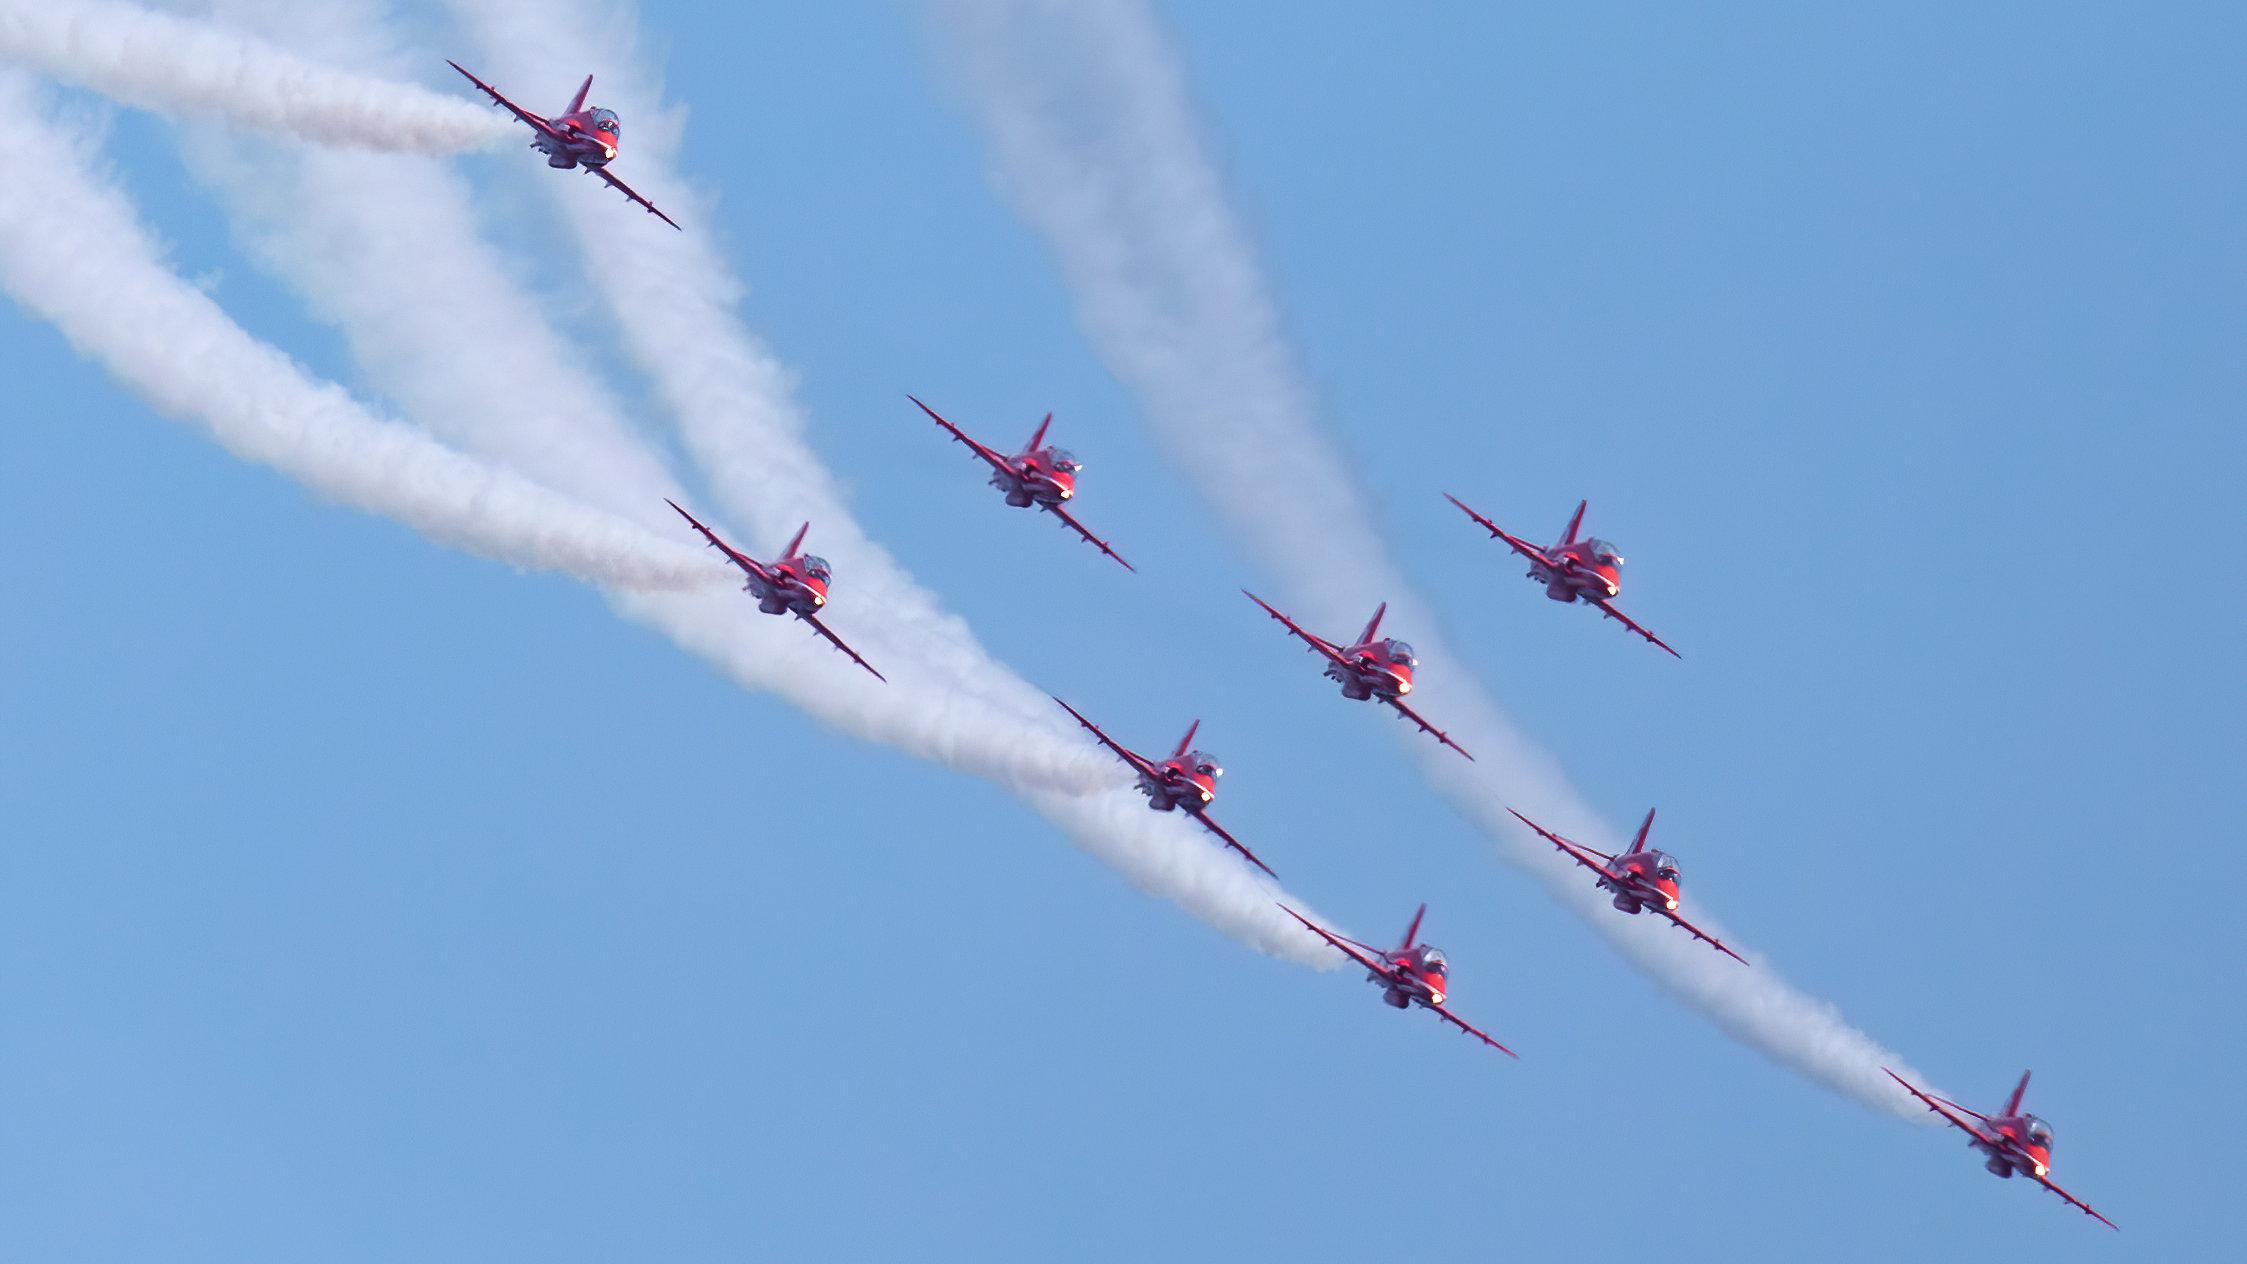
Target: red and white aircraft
x: 796, y: 584
x: 1188, y: 779
x: 1639, y: 878
x: 1037, y: 475
x: 2010, y: 1140
x: 1589, y: 569
x: 577, y: 137
x: 1367, y: 668
x: 1411, y: 974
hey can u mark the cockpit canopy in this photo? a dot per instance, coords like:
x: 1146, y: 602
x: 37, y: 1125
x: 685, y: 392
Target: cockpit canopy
x: 1661, y: 864
x: 1064, y: 460
x: 817, y: 567
x: 606, y: 121
x: 1433, y: 961
x: 2038, y: 1132
x: 1400, y: 653
x: 1603, y: 552
x: 1204, y: 763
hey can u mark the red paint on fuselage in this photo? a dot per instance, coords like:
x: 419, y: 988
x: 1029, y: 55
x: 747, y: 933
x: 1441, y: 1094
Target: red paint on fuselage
x: 1587, y: 568
x: 1049, y: 479
x: 589, y: 137
x: 1194, y: 790
x: 1381, y: 667
x: 1639, y: 873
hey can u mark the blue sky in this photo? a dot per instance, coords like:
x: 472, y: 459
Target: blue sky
x: 365, y: 901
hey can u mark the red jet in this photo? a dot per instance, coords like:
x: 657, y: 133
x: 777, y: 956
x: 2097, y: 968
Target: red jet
x: 1588, y: 569
x: 2011, y: 1141
x: 1188, y: 779
x: 1639, y: 878
x: 577, y: 137
x: 796, y: 584
x: 1368, y: 668
x: 1037, y: 475
x: 1413, y: 974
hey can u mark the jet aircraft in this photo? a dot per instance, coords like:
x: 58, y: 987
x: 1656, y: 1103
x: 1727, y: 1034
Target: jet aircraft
x: 1037, y: 475
x: 1367, y: 668
x: 1639, y: 878
x: 1588, y: 569
x: 577, y: 137
x: 1411, y: 974
x: 795, y: 584
x: 1188, y: 779
x: 2009, y: 1141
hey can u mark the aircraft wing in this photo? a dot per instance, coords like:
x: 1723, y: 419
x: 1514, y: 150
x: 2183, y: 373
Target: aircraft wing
x: 1381, y: 968
x: 1319, y: 645
x: 748, y: 564
x: 538, y: 124
x: 837, y: 642
x: 1695, y: 931
x: 2077, y: 1203
x: 1607, y: 608
x: 1577, y: 852
x: 996, y: 461
x: 1949, y: 1111
x: 1232, y: 842
x: 626, y: 189
x: 1519, y: 545
x: 1091, y: 539
x: 1138, y: 763
x: 1425, y: 727
x: 1471, y: 1029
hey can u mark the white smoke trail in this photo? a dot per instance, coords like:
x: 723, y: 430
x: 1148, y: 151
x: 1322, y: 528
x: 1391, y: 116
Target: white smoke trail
x: 75, y: 254
x: 176, y: 66
x: 388, y: 250
x: 1094, y: 140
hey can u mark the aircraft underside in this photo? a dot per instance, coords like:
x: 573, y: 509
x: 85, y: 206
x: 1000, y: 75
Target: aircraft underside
x: 1354, y: 686
x: 1020, y: 493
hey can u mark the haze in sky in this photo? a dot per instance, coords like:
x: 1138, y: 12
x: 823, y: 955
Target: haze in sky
x: 368, y: 899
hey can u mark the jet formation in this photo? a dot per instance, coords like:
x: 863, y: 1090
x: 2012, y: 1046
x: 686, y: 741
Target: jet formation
x: 1368, y: 668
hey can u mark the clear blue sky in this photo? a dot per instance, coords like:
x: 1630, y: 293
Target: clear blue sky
x: 361, y: 901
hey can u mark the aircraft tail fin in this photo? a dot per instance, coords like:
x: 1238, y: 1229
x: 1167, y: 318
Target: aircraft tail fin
x: 578, y: 102
x: 1639, y: 843
x: 1412, y: 932
x: 1186, y: 743
x: 796, y: 543
x: 1568, y: 537
x: 1373, y: 625
x: 2020, y: 1090
x: 1037, y: 440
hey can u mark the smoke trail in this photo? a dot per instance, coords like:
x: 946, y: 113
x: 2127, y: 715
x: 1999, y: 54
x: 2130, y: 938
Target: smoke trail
x: 1094, y: 140
x: 176, y: 66
x: 76, y: 255
x: 433, y: 316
